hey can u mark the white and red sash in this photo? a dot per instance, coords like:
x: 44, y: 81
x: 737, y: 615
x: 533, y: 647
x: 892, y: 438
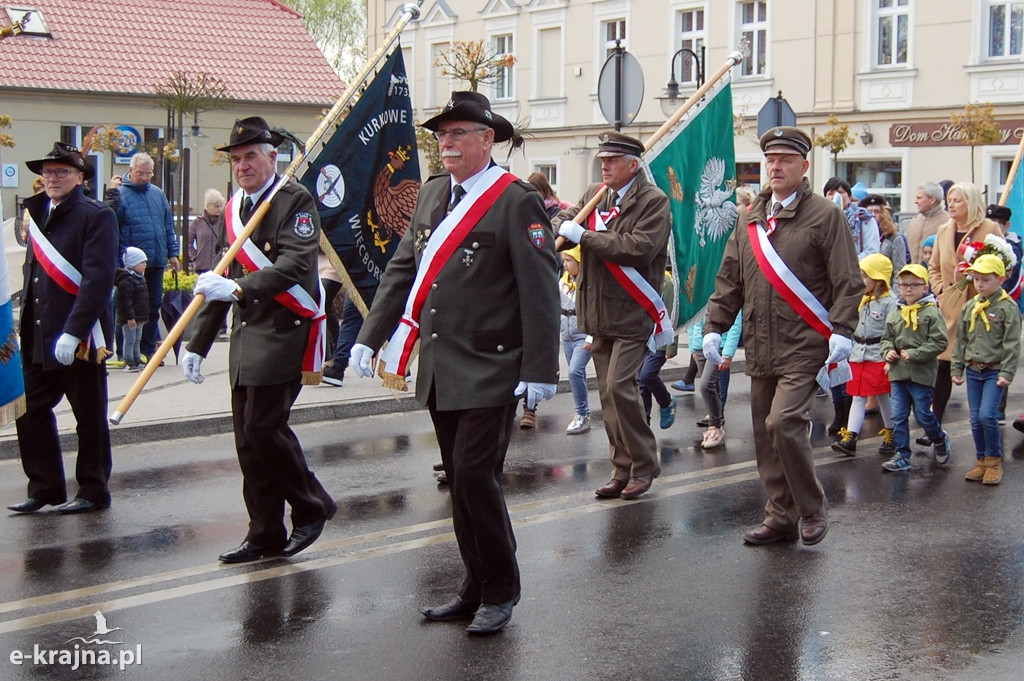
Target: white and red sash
x: 442, y: 244
x: 638, y: 288
x: 69, y: 279
x: 793, y: 291
x: 296, y: 298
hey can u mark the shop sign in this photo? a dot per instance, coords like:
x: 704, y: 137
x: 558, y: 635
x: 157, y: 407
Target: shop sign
x: 947, y: 134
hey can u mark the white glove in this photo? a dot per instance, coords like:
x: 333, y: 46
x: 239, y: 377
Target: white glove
x: 535, y: 392
x: 572, y: 231
x: 215, y: 287
x: 839, y: 348
x: 712, y: 347
x: 190, y: 363
x: 65, y: 349
x: 360, y: 357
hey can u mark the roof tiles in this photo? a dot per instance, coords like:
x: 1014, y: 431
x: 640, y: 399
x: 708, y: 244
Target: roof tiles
x: 258, y: 48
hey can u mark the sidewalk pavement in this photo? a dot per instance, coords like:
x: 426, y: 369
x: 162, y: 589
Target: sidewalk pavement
x: 170, y: 407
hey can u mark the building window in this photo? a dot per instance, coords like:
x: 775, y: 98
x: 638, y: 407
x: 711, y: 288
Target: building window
x: 754, y: 30
x: 503, y: 79
x: 613, y: 30
x: 549, y: 171
x: 548, y: 46
x: 749, y: 175
x: 883, y: 177
x: 893, y: 22
x: 691, y: 37
x: 1005, y: 28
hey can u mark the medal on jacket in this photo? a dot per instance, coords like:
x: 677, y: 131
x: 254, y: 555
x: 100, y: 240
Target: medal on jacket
x: 422, y: 236
x: 467, y: 259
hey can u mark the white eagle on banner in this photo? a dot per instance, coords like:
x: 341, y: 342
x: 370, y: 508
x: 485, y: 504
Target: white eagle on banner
x: 716, y: 214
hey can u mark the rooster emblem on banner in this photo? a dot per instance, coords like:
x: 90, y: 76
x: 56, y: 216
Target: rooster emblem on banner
x: 393, y: 203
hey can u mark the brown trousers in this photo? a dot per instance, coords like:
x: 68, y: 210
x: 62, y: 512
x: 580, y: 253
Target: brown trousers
x: 785, y: 461
x: 632, y: 446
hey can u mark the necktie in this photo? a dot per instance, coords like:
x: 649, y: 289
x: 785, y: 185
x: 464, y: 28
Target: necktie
x: 611, y: 197
x: 246, y: 212
x: 909, y: 314
x: 776, y: 208
x: 457, y: 193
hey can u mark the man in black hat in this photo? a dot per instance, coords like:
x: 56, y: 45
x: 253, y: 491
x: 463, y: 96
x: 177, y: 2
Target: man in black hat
x: 791, y: 266
x: 274, y: 291
x: 636, y: 214
x: 66, y: 330
x: 487, y: 321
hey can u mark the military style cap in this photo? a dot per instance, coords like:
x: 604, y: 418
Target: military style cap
x: 877, y: 267
x: 988, y: 264
x: 997, y: 212
x: 874, y: 200
x: 616, y: 144
x: 66, y: 154
x: 786, y: 140
x: 915, y: 269
x: 472, y: 106
x: 252, y: 130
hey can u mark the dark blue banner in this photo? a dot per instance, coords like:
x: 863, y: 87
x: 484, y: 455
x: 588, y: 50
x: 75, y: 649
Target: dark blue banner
x: 366, y: 178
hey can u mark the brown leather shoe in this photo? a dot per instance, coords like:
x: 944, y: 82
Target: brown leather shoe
x: 813, y: 528
x: 637, y: 486
x: 765, y: 534
x: 611, y: 489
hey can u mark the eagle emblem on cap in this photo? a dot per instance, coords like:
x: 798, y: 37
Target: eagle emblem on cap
x: 779, y: 132
x: 240, y: 129
x: 604, y: 139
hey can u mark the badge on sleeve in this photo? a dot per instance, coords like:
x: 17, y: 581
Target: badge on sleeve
x: 537, y: 235
x: 304, y: 225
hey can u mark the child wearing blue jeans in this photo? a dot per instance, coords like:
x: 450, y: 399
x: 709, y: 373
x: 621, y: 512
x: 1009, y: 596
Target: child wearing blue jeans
x: 987, y: 346
x: 914, y: 337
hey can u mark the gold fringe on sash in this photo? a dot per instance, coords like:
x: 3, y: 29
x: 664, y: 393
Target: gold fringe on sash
x: 392, y: 381
x: 86, y: 354
x: 312, y: 377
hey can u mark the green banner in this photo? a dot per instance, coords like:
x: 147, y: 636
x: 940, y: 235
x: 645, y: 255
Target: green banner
x: 695, y: 165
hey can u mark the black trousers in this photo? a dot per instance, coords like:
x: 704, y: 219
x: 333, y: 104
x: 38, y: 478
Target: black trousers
x: 274, y: 469
x: 85, y: 386
x: 473, y: 444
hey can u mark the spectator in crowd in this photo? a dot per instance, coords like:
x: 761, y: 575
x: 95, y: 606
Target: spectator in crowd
x: 132, y: 304
x: 552, y: 204
x: 891, y: 244
x: 930, y: 216
x: 145, y: 221
x: 652, y: 388
x: 575, y: 343
x: 927, y: 246
x: 207, y: 233
x: 714, y: 380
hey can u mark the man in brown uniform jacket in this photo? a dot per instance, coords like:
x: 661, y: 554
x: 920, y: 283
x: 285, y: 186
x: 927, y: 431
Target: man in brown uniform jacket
x: 812, y: 239
x: 479, y: 258
x: 638, y: 226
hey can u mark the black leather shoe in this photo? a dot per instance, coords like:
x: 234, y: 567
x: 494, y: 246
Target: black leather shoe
x: 305, y: 535
x: 78, y: 505
x: 30, y: 505
x: 247, y: 552
x: 490, y: 619
x: 455, y: 609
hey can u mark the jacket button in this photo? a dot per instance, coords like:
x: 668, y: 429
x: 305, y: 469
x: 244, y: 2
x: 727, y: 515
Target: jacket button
x: 35, y: 300
x: 433, y: 287
x: 476, y: 244
x: 256, y: 301
x: 297, y: 322
x: 433, y: 336
x: 39, y: 322
x: 501, y: 348
x: 35, y: 280
x: 244, y: 324
x: 432, y: 310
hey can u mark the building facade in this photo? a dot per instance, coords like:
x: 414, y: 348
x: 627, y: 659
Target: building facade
x: 892, y: 70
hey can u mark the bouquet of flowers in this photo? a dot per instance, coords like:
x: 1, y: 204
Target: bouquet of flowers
x: 969, y: 251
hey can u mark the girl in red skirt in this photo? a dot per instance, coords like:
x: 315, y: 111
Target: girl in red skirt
x: 869, y: 376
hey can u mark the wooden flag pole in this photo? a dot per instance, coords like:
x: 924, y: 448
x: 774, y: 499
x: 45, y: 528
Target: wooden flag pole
x: 1012, y: 175
x: 734, y: 59
x: 409, y: 12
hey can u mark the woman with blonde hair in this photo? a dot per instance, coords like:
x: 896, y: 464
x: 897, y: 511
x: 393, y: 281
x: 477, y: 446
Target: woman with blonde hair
x: 967, y: 223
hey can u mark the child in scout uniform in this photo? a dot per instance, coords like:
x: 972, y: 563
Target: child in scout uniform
x: 575, y: 343
x: 988, y: 347
x: 866, y: 363
x: 914, y: 336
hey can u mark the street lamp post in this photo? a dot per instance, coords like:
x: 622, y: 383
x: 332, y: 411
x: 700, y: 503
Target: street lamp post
x: 195, y: 141
x: 670, y: 102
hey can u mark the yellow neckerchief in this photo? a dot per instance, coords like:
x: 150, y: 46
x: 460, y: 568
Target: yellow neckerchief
x: 909, y: 314
x: 569, y: 282
x: 864, y: 300
x: 979, y: 308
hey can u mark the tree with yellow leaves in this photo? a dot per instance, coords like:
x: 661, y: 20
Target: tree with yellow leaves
x: 472, y: 62
x: 977, y: 126
x: 836, y: 139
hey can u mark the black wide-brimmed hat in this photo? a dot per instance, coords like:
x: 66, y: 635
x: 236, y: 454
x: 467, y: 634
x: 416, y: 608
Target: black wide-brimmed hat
x: 997, y: 212
x: 252, y: 130
x: 472, y: 106
x: 66, y: 154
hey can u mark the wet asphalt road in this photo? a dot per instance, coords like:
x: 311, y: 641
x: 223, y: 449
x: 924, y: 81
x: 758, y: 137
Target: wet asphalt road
x: 921, y: 575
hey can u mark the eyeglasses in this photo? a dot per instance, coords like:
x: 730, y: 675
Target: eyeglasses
x: 455, y: 134
x: 911, y: 285
x: 59, y: 173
